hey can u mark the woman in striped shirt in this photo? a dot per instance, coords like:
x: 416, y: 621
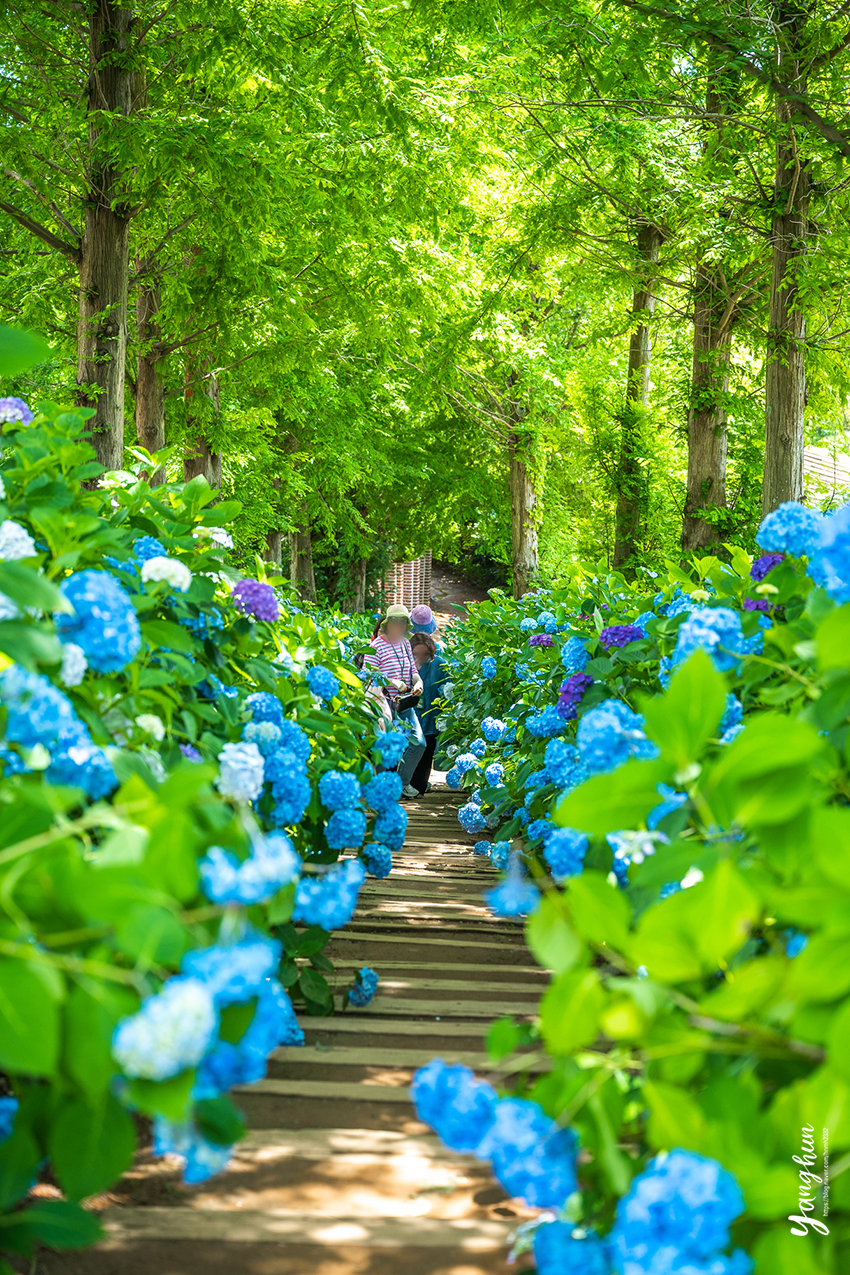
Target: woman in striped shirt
x: 392, y: 656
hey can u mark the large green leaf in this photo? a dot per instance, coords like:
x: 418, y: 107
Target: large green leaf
x: 688, y: 714
x: 20, y: 350
x: 608, y: 803
x: 553, y: 941
x: 570, y: 1009
x: 91, y: 1146
x: 29, y: 1020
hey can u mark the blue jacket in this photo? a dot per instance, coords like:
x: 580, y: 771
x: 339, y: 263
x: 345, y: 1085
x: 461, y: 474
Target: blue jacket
x: 434, y: 676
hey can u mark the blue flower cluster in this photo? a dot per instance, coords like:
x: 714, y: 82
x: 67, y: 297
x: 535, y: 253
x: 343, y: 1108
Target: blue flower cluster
x: 322, y: 682
x: 378, y: 859
x: 830, y: 565
x: 732, y: 721
x: 465, y: 762
x: 494, y: 774
x: 492, y: 728
x: 345, y: 828
x: 391, y: 745
x: 515, y: 896
x: 528, y: 625
x: 329, y: 900
x: 339, y: 790
x: 383, y: 791
x: 564, y: 765
x: 489, y: 667
x: 531, y: 1155
x: 715, y: 630
x: 8, y: 1111
x: 390, y: 827
x: 499, y: 854
x: 481, y: 847
x: 670, y: 802
x: 564, y: 850
x: 676, y: 1216
x: 365, y: 987
x: 103, y: 624
x: 792, y: 528
x: 171, y: 1031
x: 574, y: 656
x: 478, y: 748
x: 609, y: 735
x: 271, y: 865
x: 241, y: 772
x: 557, y: 1250
x: 38, y: 713
x: 471, y: 818
x: 546, y: 723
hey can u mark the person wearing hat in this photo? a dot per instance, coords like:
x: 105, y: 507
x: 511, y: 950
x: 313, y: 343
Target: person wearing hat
x: 423, y: 619
x: 392, y: 657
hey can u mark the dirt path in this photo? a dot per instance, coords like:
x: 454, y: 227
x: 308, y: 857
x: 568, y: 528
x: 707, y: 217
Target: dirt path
x: 450, y: 592
x: 337, y: 1175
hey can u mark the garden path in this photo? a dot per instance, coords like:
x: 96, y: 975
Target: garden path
x: 337, y: 1175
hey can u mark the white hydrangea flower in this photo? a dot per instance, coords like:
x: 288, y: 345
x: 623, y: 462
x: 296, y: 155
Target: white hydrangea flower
x: 242, y: 772
x: 8, y: 610
x: 442, y: 722
x: 448, y: 690
x: 74, y: 664
x: 492, y: 821
x: 170, y: 1033
x: 452, y: 750
x: 152, y: 724
x: 154, y: 761
x: 216, y: 534
x: 171, y: 570
x: 15, y: 542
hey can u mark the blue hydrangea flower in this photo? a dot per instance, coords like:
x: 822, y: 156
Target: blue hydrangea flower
x: 494, y: 774
x: 378, y: 859
x: 532, y: 1156
x: 642, y: 621
x: 492, y: 728
x: 609, y: 735
x: 564, y: 766
x: 538, y: 778
x: 203, y: 1159
x: 792, y: 528
x: 146, y: 547
x: 171, y: 1031
x: 457, y: 1106
x: 481, y: 847
x: 683, y: 1203
x: 558, y: 1252
x: 12, y: 763
x: 384, y: 791
x: 8, y: 1111
x: 290, y: 787
x: 538, y: 829
x: 241, y: 772
x: 83, y: 765
x: 266, y: 735
x: 365, y: 987
x: 574, y: 656
x: 14, y: 410
x: 489, y: 667
x: 830, y: 559
x: 329, y: 900
x: 339, y: 790
x: 465, y: 762
x: 670, y: 801
x: 234, y: 971
x: 271, y: 865
x: 265, y: 707
x: 391, y: 744
x: 345, y: 828
x: 453, y: 778
x: 795, y: 942
x: 679, y: 603
x: 242, y: 1062
x: 516, y: 895
x: 205, y: 624
x: 546, y: 723
x: 478, y: 747
x: 499, y: 854
x: 564, y: 851
x: 104, y: 622
x: 390, y: 827
x: 634, y: 846
x: 548, y: 621
x: 716, y: 630
x: 528, y: 625
x: 471, y: 818
x: 322, y: 682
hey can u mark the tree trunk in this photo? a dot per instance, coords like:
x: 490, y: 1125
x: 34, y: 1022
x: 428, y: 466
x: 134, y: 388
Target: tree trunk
x: 355, y: 599
x: 631, y: 478
x: 707, y: 440
x: 105, y: 264
x: 301, y: 555
x: 785, y: 376
x: 150, y: 392
x: 200, y: 458
x: 274, y: 539
x: 523, y: 529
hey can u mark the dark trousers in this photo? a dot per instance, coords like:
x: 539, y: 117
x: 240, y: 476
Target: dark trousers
x: 422, y: 773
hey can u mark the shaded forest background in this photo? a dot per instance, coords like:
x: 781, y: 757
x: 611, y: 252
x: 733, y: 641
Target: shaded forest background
x: 515, y: 284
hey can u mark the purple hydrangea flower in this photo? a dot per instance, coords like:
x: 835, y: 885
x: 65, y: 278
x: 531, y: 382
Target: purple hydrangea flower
x: 541, y: 639
x: 571, y: 693
x: 251, y: 597
x: 616, y: 635
x: 753, y: 604
x: 190, y: 753
x: 14, y: 410
x: 765, y: 563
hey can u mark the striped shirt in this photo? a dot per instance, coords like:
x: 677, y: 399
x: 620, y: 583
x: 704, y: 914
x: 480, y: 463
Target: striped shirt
x: 392, y: 659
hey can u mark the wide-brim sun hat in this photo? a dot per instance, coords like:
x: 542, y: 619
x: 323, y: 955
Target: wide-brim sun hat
x: 423, y: 619
x: 397, y: 612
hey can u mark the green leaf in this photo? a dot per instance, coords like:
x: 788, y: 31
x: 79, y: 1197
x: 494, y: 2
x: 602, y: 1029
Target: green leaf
x: 29, y: 1021
x: 171, y: 1098
x: 235, y: 1020
x: 822, y: 971
x: 726, y: 908
x: 172, y: 636
x: 600, y: 911
x: 20, y: 1156
x: 570, y: 1009
x: 552, y: 940
x: 61, y: 1224
x: 281, y: 905
x: 20, y: 350
x: 91, y: 1146
x: 608, y: 803
x: 218, y: 1120
x: 688, y: 714
x: 26, y: 587
x: 92, y: 1011
x: 151, y: 936
x: 675, y: 1119
x: 833, y: 639
x: 503, y: 1036
x: 314, y: 986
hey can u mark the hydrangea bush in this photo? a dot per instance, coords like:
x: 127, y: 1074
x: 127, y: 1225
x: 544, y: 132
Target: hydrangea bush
x: 184, y: 758
x: 672, y: 818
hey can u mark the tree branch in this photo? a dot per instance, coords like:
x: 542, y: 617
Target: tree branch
x: 48, y: 203
x: 41, y: 232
